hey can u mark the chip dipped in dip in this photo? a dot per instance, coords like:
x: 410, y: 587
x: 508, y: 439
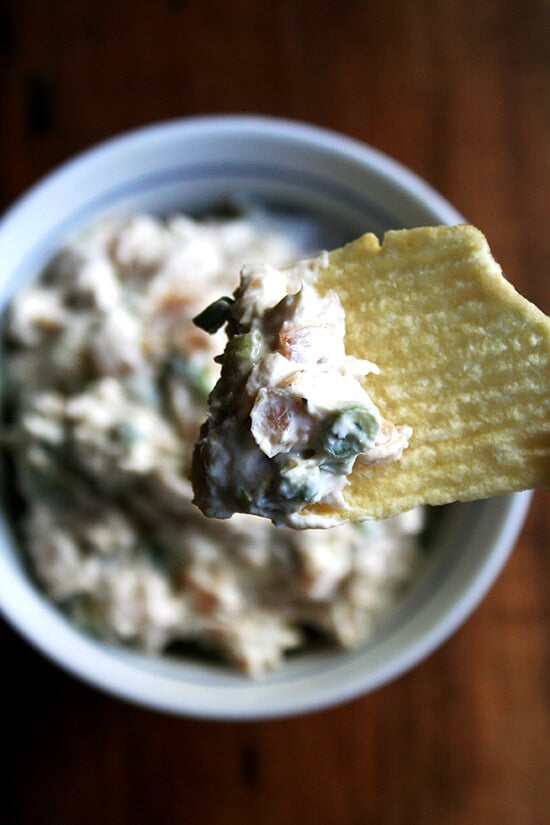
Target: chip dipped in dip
x: 293, y: 434
x: 289, y: 416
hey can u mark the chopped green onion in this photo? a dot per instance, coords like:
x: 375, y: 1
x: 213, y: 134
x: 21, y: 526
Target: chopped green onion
x: 197, y: 377
x: 304, y: 492
x: 156, y: 555
x: 126, y: 433
x: 244, y: 498
x: 215, y: 315
x: 299, y: 484
x: 245, y: 347
x: 350, y: 431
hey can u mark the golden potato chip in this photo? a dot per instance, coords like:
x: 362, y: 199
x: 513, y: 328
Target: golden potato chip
x: 464, y: 360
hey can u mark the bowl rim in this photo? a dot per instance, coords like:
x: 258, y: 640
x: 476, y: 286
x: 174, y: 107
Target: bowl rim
x: 111, y: 669
x: 513, y: 508
x: 383, y: 164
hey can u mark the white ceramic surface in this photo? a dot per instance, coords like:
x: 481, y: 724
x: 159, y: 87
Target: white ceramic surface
x: 348, y: 188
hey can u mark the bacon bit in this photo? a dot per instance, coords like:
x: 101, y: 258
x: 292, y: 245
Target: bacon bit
x: 190, y: 339
x: 297, y: 343
x: 277, y: 414
x: 206, y: 602
x: 174, y: 305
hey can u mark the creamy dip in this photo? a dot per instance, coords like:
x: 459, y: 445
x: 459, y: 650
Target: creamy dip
x: 289, y: 416
x: 107, y: 380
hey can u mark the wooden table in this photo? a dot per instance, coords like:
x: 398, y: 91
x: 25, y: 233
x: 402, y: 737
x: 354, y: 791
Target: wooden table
x: 458, y: 91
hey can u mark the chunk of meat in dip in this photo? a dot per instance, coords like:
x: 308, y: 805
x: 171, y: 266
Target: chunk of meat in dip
x: 289, y: 416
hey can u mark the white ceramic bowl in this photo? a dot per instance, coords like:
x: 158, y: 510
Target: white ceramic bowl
x: 189, y: 165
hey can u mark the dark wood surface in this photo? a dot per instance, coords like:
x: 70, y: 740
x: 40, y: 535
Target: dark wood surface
x: 458, y: 91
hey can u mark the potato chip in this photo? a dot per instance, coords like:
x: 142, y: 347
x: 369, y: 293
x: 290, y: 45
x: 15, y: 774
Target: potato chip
x: 301, y: 436
x: 464, y: 360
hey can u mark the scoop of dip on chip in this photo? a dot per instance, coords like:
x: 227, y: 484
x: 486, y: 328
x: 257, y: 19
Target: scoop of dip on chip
x: 453, y: 402
x: 289, y: 416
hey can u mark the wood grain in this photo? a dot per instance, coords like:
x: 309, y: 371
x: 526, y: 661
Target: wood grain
x: 459, y: 92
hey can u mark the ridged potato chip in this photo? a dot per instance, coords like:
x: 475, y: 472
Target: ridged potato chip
x: 464, y: 360
x: 434, y: 388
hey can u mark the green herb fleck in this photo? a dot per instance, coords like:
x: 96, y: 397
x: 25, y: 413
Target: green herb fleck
x: 349, y: 431
x: 215, y: 315
x: 125, y: 433
x: 196, y: 377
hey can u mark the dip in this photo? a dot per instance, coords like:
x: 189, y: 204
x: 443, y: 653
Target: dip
x: 107, y: 381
